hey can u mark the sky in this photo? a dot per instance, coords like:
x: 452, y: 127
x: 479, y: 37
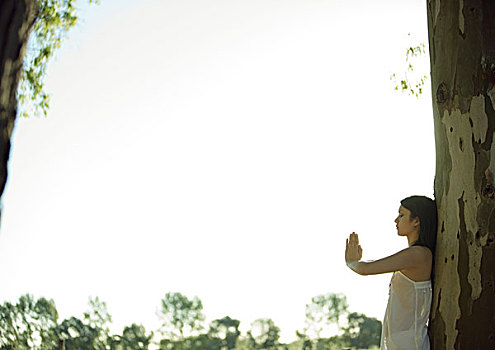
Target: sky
x: 223, y: 149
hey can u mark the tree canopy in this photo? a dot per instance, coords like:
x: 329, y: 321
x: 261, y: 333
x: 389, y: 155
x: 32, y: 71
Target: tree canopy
x: 32, y: 323
x: 53, y: 20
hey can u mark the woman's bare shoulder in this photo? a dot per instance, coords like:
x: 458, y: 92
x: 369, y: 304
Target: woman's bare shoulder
x: 420, y: 251
x: 421, y: 258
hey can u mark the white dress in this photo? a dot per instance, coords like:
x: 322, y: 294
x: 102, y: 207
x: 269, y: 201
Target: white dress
x: 408, y: 310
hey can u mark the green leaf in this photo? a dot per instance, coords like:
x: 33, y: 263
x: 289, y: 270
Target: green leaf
x: 55, y: 18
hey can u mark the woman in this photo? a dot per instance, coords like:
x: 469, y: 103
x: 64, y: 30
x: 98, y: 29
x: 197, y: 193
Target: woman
x: 408, y: 308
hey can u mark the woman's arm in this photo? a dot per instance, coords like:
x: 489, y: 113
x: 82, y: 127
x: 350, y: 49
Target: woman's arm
x: 409, y: 258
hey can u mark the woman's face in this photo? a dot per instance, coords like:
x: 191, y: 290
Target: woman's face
x: 405, y: 225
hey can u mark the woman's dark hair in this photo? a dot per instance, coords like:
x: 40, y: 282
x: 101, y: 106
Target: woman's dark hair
x: 425, y: 209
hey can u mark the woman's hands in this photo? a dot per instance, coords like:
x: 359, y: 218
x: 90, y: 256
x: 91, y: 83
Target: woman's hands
x: 353, y: 251
x: 415, y: 262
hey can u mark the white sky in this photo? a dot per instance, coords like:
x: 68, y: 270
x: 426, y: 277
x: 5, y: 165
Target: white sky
x: 220, y: 148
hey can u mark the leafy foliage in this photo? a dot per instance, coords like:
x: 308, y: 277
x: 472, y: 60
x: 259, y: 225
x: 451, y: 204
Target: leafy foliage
x: 180, y: 316
x: 323, y: 311
x: 77, y: 335
x: 264, y: 334
x: 98, y: 318
x: 304, y: 341
x: 198, y: 342
x: 226, y: 330
x: 134, y: 337
x: 410, y: 81
x: 32, y: 324
x: 29, y: 324
x: 362, y: 331
x: 53, y: 21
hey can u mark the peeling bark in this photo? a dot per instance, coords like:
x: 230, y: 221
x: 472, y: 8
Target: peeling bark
x: 462, y: 57
x: 16, y: 21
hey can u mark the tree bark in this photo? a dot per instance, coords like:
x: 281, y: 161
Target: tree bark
x: 462, y: 58
x: 16, y: 21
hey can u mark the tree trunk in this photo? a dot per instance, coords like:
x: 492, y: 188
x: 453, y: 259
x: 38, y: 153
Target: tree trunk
x: 16, y: 21
x: 462, y: 57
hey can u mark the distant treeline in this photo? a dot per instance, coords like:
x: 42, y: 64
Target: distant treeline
x: 33, y: 324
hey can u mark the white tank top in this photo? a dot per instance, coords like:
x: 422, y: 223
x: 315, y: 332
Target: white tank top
x: 408, y: 310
